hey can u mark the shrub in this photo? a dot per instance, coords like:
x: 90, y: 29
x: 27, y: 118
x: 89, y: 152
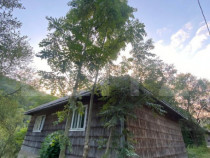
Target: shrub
x: 193, y: 134
x: 53, y: 143
x: 50, y: 146
x: 19, y: 136
x: 198, y: 152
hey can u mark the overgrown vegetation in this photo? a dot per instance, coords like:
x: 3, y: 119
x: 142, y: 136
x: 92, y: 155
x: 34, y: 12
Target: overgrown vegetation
x: 53, y: 143
x: 10, y: 119
x: 50, y: 147
x: 122, y: 95
x: 27, y: 96
x: 193, y: 134
x: 15, y: 98
x: 15, y: 51
x: 198, y: 152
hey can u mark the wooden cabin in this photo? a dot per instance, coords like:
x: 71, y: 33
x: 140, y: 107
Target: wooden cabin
x: 157, y: 136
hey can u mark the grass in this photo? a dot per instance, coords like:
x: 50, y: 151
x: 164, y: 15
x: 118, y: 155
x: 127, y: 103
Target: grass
x: 198, y: 152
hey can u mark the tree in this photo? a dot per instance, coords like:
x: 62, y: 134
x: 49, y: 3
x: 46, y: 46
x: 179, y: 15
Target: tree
x: 114, y: 32
x: 65, y: 50
x: 91, y: 34
x: 184, y: 92
x: 15, y: 51
x: 15, y: 98
x: 193, y: 95
x: 76, y: 44
x: 149, y: 70
x: 10, y: 119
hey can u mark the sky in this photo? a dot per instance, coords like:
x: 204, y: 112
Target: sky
x: 176, y: 26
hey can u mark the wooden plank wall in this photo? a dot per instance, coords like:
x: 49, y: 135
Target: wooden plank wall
x: 33, y: 140
x: 156, y: 136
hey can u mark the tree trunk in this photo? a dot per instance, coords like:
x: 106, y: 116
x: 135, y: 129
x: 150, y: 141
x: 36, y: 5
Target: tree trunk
x: 87, y: 134
x: 108, y: 143
x: 72, y: 101
x: 66, y: 132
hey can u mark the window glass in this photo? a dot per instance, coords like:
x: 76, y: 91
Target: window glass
x: 39, y: 123
x: 75, y: 118
x: 78, y: 121
x: 81, y: 121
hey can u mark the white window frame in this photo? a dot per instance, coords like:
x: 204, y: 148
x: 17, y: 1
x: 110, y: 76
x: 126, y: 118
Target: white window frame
x: 41, y: 124
x: 79, y: 129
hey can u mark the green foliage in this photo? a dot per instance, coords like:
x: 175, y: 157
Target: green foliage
x: 127, y: 150
x: 198, y: 152
x: 15, y: 51
x: 207, y: 126
x: 15, y: 98
x: 193, y: 134
x: 184, y: 92
x: 101, y: 142
x: 90, y: 35
x: 26, y: 96
x: 61, y: 115
x: 52, y: 145
x: 194, y: 94
x: 122, y: 95
x: 10, y: 119
x: 124, y: 148
x: 20, y: 135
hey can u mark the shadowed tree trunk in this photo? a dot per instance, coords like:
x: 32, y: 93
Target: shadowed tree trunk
x: 86, y: 146
x: 72, y: 102
x: 108, y: 143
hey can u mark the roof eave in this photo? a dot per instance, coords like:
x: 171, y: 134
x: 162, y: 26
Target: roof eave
x: 52, y: 104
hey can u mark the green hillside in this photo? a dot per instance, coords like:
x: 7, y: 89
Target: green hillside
x: 28, y: 97
x: 15, y: 99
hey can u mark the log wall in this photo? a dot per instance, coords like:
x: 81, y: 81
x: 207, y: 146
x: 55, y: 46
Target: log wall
x: 156, y: 136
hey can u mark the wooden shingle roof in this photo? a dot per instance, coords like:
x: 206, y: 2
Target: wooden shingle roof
x: 64, y: 100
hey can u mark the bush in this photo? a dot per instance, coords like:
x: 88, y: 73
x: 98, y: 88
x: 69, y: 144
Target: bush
x: 198, y: 152
x: 19, y: 136
x: 53, y: 143
x: 193, y: 134
x: 51, y: 146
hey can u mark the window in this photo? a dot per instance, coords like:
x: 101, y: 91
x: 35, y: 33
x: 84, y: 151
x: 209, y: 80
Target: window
x: 39, y: 123
x: 78, y: 121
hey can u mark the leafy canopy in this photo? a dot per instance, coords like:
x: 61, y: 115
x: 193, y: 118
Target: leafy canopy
x: 15, y: 51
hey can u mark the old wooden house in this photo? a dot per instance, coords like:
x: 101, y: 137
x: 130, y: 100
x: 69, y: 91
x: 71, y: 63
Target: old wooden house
x: 157, y: 136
